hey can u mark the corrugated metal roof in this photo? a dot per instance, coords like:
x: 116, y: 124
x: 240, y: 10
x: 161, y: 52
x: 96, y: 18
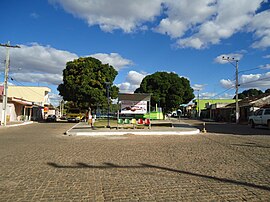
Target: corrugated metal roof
x: 255, y: 101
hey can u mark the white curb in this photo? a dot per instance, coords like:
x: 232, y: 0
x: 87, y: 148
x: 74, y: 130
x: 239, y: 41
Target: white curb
x: 19, y: 124
x: 106, y: 133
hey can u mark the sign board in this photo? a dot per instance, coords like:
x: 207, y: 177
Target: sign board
x: 135, y: 103
x: 1, y: 90
x: 46, y: 109
x: 133, y: 107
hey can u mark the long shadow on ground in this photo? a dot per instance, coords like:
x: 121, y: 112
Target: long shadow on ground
x: 143, y: 165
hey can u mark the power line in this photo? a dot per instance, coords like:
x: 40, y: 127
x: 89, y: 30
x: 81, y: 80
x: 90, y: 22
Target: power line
x: 240, y: 85
x: 248, y: 70
x: 255, y: 81
x: 222, y: 92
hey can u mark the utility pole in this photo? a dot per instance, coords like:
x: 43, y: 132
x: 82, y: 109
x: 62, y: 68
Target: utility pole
x: 198, y: 103
x: 237, y: 115
x: 60, y: 108
x: 5, y: 95
x: 231, y: 60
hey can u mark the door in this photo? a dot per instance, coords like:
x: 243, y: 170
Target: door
x: 266, y: 116
x: 258, y: 117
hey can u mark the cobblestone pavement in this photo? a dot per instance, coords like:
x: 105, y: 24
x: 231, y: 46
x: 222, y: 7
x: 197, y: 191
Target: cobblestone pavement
x: 39, y: 163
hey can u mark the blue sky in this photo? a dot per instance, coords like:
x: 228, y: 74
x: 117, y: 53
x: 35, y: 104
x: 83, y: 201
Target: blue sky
x: 139, y: 38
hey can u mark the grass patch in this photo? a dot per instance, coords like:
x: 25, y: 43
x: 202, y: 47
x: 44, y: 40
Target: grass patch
x: 102, y: 123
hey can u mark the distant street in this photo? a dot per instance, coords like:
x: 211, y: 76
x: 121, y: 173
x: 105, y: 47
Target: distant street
x: 228, y: 128
x: 39, y: 163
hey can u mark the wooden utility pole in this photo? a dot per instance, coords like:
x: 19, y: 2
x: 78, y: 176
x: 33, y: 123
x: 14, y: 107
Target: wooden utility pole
x: 231, y: 60
x: 5, y: 95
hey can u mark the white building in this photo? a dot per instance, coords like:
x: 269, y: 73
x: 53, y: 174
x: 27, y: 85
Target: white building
x: 25, y: 102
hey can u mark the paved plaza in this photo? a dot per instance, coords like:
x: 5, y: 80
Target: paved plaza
x: 39, y: 163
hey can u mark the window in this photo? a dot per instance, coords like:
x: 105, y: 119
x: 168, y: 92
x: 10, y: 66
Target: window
x: 259, y: 113
x: 267, y: 112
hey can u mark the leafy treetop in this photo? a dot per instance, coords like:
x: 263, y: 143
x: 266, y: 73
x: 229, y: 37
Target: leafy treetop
x: 84, y: 82
x: 249, y: 93
x: 168, y: 90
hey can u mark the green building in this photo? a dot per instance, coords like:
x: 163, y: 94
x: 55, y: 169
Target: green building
x: 203, y: 103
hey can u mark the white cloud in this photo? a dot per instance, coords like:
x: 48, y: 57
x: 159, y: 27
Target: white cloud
x: 226, y: 96
x: 135, y: 78
x: 133, y: 81
x: 37, y: 58
x: 261, y: 27
x: 198, y: 87
x: 235, y: 56
x: 113, y: 59
x: 209, y: 95
x: 9, y: 84
x: 44, y: 64
x: 55, y: 99
x: 196, y: 24
x: 257, y: 81
x: 227, y: 83
x: 37, y: 63
x: 173, y: 28
x: 191, y: 42
x: 266, y: 56
x: 183, y: 15
x: 229, y: 18
x: 127, y: 15
x: 266, y: 66
x: 125, y: 87
x: 54, y: 79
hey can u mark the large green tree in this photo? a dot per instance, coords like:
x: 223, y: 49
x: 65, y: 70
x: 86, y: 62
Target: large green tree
x: 167, y: 89
x: 249, y: 93
x: 267, y: 90
x: 84, y: 82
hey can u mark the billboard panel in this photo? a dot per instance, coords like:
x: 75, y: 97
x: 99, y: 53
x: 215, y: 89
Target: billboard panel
x: 133, y: 107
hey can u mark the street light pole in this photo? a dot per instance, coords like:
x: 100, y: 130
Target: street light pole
x: 5, y: 95
x: 198, y: 103
x: 231, y: 60
x: 159, y: 108
x: 108, y: 99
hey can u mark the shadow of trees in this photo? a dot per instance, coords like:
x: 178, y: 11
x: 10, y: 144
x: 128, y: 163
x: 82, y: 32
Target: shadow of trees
x: 106, y: 165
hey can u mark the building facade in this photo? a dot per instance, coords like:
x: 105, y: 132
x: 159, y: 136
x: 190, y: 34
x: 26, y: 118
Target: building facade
x: 25, y: 102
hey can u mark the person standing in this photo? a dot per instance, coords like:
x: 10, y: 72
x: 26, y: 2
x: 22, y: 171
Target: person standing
x: 90, y: 118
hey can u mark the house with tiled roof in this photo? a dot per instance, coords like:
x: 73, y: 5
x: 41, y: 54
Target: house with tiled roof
x: 247, y: 107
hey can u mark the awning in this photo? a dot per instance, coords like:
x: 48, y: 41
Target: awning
x: 21, y: 101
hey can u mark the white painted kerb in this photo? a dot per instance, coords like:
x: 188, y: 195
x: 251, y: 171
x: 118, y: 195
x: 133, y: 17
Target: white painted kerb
x: 106, y: 133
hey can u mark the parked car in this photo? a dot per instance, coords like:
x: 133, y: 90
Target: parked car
x: 51, y: 118
x: 64, y: 117
x: 74, y: 115
x: 261, y: 117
